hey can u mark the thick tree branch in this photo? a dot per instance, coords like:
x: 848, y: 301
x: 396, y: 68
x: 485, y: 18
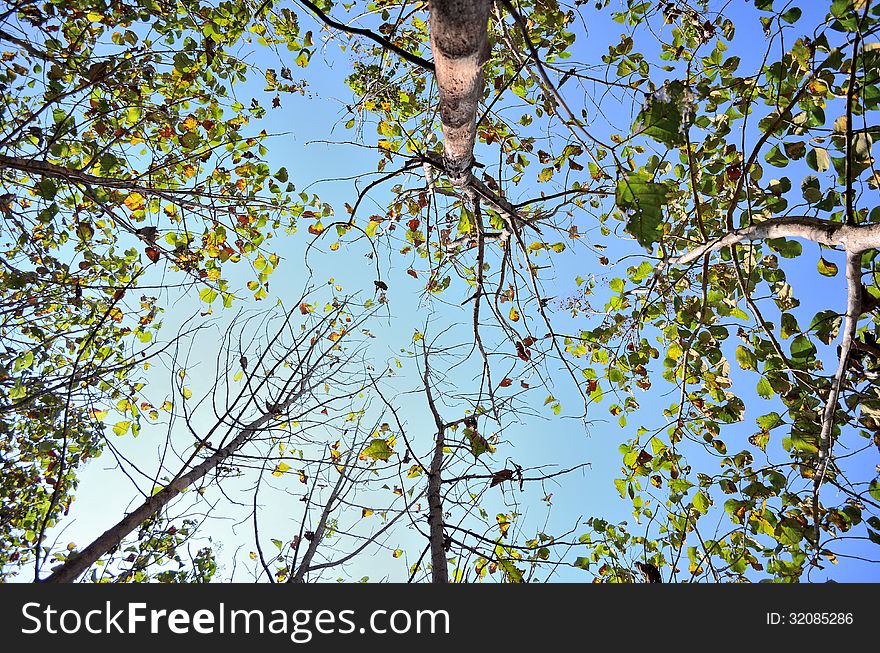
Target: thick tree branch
x: 460, y: 43
x: 496, y: 202
x: 55, y: 171
x: 436, y: 530
x: 78, y: 563
x: 853, y: 238
x: 28, y: 47
x: 850, y: 324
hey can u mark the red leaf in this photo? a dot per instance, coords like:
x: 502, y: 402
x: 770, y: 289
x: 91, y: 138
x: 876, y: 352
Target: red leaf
x: 152, y: 254
x: 305, y: 309
x: 413, y: 224
x: 506, y: 383
x: 734, y: 172
x: 412, y: 273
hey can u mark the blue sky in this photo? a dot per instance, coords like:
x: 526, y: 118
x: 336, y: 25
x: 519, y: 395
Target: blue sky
x: 301, y: 123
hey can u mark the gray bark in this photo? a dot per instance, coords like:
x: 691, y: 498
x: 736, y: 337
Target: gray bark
x: 460, y: 44
x: 853, y: 238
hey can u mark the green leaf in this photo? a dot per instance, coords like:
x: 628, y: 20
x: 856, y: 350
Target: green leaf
x: 207, y: 295
x: 479, y: 444
x: 775, y: 157
x: 818, y: 159
x: 378, y: 450
x: 702, y: 502
x: 121, y: 428
x: 643, y: 201
x: 779, y: 186
x: 770, y: 421
x: 826, y: 324
x: 302, y: 59
x: 792, y: 15
x: 765, y: 390
x: 23, y: 362
x: 800, y: 442
x: 810, y: 189
x: 667, y: 114
x: 802, y: 349
x: 746, y: 359
x: 786, y: 248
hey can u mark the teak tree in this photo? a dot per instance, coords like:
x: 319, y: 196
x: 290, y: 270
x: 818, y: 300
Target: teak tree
x: 675, y: 171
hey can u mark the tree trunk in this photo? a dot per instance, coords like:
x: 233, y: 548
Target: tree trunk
x: 460, y: 44
x: 77, y: 564
x: 436, y: 531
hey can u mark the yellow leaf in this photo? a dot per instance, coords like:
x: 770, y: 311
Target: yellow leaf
x: 134, y: 202
x: 366, y: 512
x: 514, y: 315
x: 503, y: 524
x: 121, y: 428
x: 190, y: 124
x: 280, y: 468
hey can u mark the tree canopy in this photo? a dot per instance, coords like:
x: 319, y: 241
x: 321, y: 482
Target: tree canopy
x: 648, y: 226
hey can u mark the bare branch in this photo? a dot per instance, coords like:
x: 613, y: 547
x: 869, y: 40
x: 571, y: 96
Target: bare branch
x: 360, y: 31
